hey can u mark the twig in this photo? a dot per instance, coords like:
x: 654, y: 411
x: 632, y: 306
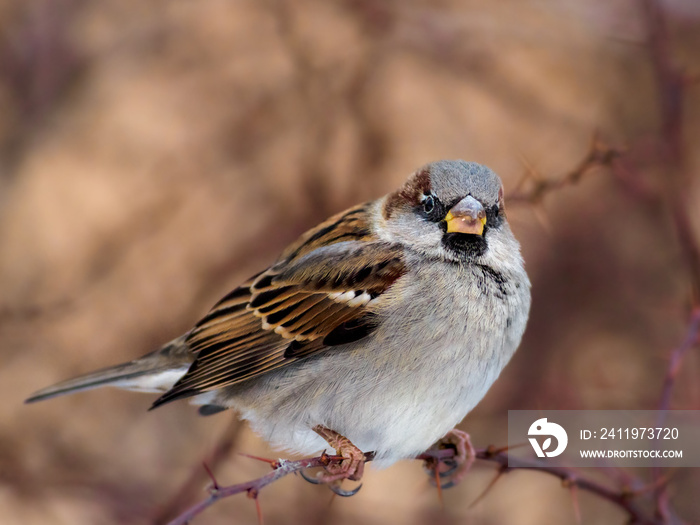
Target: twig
x: 688, y: 243
x: 281, y: 467
x: 599, y: 154
x: 622, y: 498
x: 692, y: 336
x: 671, y: 83
x: 189, y: 489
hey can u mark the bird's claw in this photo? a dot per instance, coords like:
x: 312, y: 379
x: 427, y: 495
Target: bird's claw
x: 450, y: 464
x: 352, y: 464
x: 335, y: 488
x: 307, y: 477
x: 459, y: 465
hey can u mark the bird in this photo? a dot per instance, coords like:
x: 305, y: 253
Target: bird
x: 376, y: 331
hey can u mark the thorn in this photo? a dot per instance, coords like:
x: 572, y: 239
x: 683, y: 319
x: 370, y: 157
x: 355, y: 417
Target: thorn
x: 573, y: 490
x: 541, y: 216
x: 253, y: 494
x: 481, y: 496
x: 438, y: 485
x: 510, y: 447
x: 274, y: 463
x: 337, y: 491
x: 662, y: 481
x: 214, y: 483
x: 596, y: 146
x: 531, y: 172
x: 492, y: 450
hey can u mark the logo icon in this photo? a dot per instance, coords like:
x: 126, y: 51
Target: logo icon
x: 542, y: 427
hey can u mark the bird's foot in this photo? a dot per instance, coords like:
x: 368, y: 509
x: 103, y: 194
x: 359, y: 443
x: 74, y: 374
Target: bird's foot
x: 352, y: 465
x: 454, y: 468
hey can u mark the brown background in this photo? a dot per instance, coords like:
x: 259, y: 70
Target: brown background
x: 155, y: 153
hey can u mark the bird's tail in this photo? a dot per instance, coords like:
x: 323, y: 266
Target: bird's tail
x: 154, y: 372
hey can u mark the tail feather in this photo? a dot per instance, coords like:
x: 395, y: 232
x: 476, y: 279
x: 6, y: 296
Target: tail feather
x: 155, y: 372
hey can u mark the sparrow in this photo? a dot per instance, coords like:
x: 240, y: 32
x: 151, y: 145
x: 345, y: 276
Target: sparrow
x: 377, y: 330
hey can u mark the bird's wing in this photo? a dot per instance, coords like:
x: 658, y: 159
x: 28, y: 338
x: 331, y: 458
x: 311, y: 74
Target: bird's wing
x: 316, y: 297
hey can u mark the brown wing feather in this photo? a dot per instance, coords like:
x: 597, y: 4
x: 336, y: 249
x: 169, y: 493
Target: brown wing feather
x: 283, y: 314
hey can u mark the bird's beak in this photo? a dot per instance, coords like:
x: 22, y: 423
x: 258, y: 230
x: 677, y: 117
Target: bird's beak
x: 467, y: 216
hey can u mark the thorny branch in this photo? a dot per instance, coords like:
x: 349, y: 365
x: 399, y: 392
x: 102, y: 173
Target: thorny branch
x: 281, y: 468
x: 625, y: 498
x: 190, y: 489
x: 692, y: 337
x: 671, y: 82
x: 599, y: 155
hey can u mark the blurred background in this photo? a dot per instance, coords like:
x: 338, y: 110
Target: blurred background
x: 154, y: 154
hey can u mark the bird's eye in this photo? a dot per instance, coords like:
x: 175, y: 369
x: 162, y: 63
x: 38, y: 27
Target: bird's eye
x: 493, y: 216
x: 428, y: 203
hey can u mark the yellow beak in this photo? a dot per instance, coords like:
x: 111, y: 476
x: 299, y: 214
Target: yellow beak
x: 467, y: 216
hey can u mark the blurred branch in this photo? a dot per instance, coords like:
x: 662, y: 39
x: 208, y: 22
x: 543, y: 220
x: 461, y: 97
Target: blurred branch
x: 692, y: 337
x: 688, y: 243
x: 224, y: 446
x: 29, y: 313
x: 671, y: 82
x: 599, y: 155
x: 623, y: 498
x: 669, y: 78
x: 38, y: 65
